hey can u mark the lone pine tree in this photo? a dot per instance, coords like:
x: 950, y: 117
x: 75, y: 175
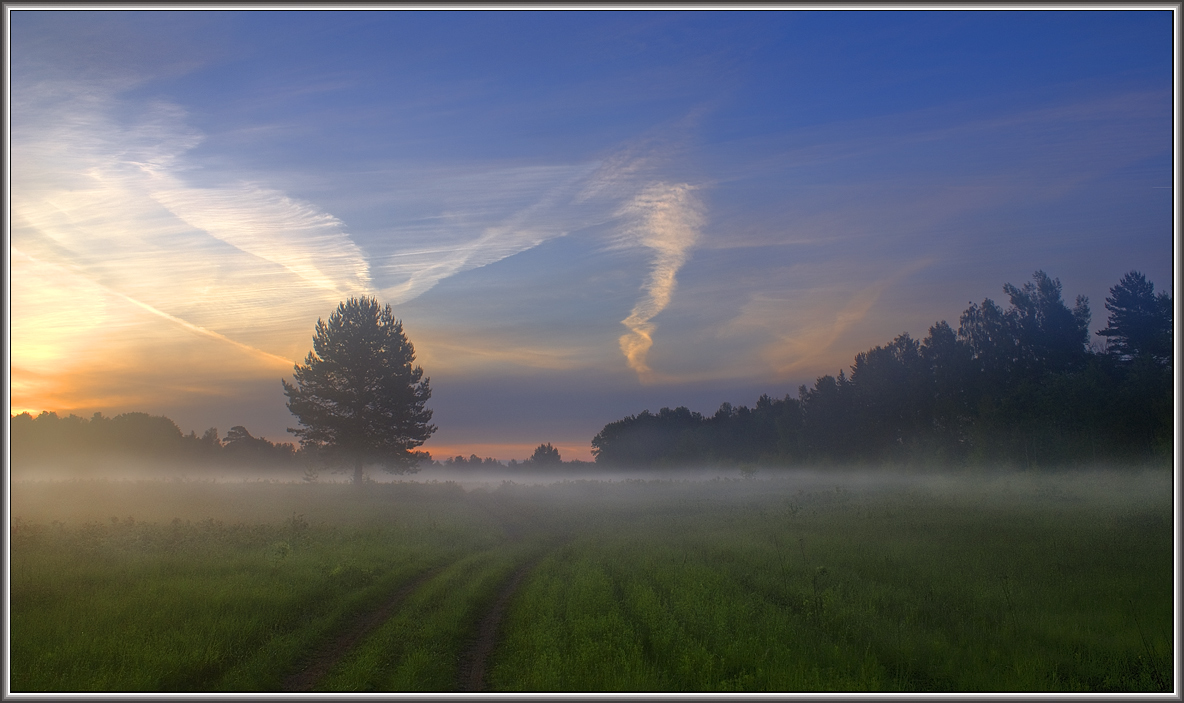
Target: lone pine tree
x: 358, y: 397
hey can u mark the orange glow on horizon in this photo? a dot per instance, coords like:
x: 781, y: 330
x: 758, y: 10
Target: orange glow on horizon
x: 506, y: 451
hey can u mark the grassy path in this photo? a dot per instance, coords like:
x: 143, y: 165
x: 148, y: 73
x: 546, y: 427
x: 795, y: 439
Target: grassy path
x: 421, y: 645
x: 473, y: 663
x: 333, y: 650
x: 471, y: 676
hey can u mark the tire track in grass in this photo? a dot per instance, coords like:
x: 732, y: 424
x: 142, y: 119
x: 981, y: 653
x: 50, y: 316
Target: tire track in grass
x: 475, y: 659
x: 335, y: 648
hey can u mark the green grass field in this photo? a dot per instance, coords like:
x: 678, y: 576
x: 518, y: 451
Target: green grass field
x: 1014, y: 582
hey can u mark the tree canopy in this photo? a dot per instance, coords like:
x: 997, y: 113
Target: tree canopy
x: 1017, y: 385
x: 545, y: 455
x: 358, y: 397
x: 1140, y: 321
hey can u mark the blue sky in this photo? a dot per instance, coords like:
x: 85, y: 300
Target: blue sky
x: 577, y: 215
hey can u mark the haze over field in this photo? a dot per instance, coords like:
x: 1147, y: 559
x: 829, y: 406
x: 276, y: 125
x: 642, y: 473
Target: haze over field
x: 576, y: 215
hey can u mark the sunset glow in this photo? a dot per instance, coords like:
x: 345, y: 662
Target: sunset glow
x: 576, y: 215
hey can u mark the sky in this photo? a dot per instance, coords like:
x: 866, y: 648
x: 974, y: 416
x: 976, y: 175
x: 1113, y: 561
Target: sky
x: 577, y: 215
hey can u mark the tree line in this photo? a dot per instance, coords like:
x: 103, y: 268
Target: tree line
x: 545, y: 456
x: 1021, y: 386
x: 74, y: 442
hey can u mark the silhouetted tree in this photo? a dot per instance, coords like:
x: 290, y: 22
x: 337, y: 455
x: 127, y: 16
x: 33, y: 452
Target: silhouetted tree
x: 890, y: 389
x: 1138, y: 403
x: 243, y: 448
x: 785, y: 415
x: 358, y: 396
x: 1014, y: 355
x: 826, y: 418
x: 949, y: 366
x: 545, y: 455
x: 994, y: 350
x: 1140, y: 321
x: 238, y: 435
x: 141, y: 434
x: 646, y: 439
x: 1051, y: 337
x: 472, y: 461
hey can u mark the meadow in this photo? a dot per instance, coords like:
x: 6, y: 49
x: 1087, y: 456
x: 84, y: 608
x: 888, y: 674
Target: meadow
x: 787, y: 581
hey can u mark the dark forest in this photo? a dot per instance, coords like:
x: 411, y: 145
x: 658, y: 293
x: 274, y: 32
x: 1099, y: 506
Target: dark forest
x: 1020, y: 386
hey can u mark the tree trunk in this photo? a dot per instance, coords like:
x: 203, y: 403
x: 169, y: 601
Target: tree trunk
x: 358, y: 471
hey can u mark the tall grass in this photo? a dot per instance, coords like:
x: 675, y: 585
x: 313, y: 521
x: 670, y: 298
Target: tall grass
x: 126, y: 605
x: 786, y: 583
x: 834, y: 591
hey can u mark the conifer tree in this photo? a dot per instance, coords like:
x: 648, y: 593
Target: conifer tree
x: 358, y: 397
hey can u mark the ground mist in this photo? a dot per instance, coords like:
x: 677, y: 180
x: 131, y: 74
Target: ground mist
x: 782, y: 581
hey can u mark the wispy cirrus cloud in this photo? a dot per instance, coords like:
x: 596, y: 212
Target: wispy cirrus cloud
x: 665, y: 218
x: 265, y: 223
x: 480, y: 218
x: 106, y: 196
x: 101, y: 215
x: 104, y: 191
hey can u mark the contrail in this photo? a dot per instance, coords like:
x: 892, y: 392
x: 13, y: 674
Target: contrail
x: 665, y: 218
x: 160, y: 313
x: 305, y: 241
